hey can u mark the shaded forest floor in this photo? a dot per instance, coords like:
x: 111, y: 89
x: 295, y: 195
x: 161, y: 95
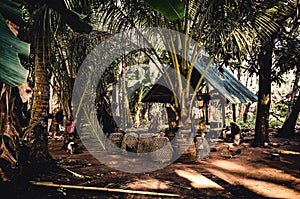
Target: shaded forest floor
x: 251, y: 174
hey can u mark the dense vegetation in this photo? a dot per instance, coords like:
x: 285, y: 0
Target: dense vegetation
x: 258, y: 39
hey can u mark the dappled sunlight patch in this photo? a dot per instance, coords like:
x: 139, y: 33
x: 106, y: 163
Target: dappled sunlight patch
x: 273, y: 174
x: 197, y: 180
x: 230, y: 166
x: 150, y: 184
x: 269, y: 189
x: 265, y: 173
x: 263, y: 181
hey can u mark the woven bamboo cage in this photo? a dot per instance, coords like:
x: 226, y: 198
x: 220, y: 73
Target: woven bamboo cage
x: 184, y: 145
x: 162, y: 150
x: 145, y: 144
x: 130, y: 142
x: 115, y: 141
x: 202, y: 148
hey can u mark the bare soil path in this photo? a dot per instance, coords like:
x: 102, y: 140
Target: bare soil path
x: 251, y: 174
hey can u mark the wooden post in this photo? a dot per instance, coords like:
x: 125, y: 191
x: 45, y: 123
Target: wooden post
x: 223, y: 103
x: 206, y: 112
x: 234, y: 112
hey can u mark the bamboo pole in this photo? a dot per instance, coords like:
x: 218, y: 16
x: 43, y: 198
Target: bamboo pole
x: 51, y: 184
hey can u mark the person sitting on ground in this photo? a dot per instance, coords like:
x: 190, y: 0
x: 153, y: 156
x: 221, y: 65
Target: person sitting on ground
x: 71, y: 132
x: 236, y: 131
x: 59, y: 118
x: 232, y: 133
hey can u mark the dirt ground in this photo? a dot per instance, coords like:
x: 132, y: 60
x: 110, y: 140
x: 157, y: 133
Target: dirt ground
x: 252, y: 174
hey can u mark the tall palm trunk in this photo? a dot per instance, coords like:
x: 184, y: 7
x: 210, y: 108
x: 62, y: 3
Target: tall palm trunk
x: 264, y: 94
x: 40, y: 106
x: 288, y: 128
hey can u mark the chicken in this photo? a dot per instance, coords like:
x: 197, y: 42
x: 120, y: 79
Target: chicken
x: 71, y: 147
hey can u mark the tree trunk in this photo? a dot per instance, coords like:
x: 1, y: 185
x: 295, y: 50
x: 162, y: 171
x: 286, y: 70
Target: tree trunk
x: 294, y: 92
x: 246, y: 111
x: 264, y: 95
x: 40, y: 107
x: 288, y: 128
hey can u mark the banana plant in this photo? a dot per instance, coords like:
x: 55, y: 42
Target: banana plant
x: 12, y: 72
x: 140, y: 79
x: 171, y: 9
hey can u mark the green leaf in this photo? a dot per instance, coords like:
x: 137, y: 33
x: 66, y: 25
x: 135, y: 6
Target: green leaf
x: 12, y: 72
x: 171, y: 9
x: 11, y: 10
x: 72, y: 18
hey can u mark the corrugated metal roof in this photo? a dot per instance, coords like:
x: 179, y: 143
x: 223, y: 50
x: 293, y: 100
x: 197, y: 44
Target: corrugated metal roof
x: 217, y: 76
x: 224, y: 82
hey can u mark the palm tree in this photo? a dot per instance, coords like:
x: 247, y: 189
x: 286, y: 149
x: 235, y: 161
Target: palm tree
x: 288, y: 128
x: 40, y: 106
x: 226, y: 29
x: 264, y: 94
x: 280, y: 11
x: 223, y: 28
x: 287, y: 59
x: 213, y: 24
x: 42, y: 34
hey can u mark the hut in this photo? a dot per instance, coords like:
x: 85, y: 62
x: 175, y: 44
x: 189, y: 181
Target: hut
x: 221, y: 87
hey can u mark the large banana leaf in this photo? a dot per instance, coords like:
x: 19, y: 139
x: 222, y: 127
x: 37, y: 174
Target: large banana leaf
x: 171, y: 9
x: 12, y: 72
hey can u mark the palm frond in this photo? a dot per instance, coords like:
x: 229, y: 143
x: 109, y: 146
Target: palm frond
x: 268, y: 21
x: 123, y: 15
x: 72, y: 18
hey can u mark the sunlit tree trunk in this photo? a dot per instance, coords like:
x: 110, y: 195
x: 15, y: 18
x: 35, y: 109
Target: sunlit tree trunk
x: 264, y: 94
x: 40, y: 107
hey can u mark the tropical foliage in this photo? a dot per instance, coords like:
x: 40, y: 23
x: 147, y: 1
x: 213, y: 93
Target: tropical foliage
x: 11, y: 71
x: 230, y: 31
x: 262, y: 34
